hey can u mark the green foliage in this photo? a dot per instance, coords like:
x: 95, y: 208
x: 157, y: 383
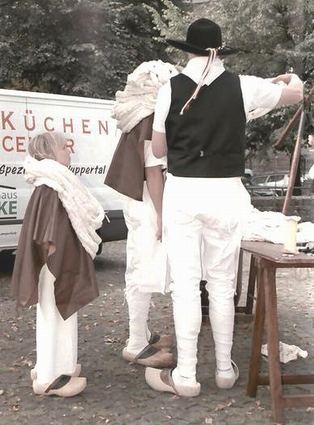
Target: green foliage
x: 80, y: 47
x: 171, y: 22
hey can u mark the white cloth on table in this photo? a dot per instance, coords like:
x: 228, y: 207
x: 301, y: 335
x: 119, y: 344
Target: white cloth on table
x: 270, y: 226
x: 286, y: 352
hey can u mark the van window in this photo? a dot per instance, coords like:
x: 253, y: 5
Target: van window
x: 276, y: 178
x: 259, y: 180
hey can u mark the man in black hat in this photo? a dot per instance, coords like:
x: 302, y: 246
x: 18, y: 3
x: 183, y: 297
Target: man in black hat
x: 199, y: 123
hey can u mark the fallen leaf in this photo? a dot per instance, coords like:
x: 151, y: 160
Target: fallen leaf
x: 223, y: 406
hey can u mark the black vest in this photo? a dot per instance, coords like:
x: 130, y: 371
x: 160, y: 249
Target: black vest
x: 208, y: 139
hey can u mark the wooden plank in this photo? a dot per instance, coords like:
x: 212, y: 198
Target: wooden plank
x: 289, y: 379
x: 274, y: 253
x: 304, y: 400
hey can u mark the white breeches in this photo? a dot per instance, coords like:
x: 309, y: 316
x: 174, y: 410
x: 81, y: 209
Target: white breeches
x: 203, y: 228
x: 56, y: 339
x: 141, y: 221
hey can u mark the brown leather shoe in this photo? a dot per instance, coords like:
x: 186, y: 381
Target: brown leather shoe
x: 161, y: 341
x: 149, y: 356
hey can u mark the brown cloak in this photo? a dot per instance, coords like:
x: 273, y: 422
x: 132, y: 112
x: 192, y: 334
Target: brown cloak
x: 46, y: 224
x: 126, y: 172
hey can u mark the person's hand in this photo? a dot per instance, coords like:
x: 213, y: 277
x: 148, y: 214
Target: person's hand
x: 283, y: 78
x: 310, y: 140
x: 159, y: 228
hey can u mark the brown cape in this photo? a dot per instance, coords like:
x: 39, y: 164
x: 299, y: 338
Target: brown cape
x: 126, y: 172
x: 46, y: 223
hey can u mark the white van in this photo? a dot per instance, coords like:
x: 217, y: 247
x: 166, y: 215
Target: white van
x: 92, y: 137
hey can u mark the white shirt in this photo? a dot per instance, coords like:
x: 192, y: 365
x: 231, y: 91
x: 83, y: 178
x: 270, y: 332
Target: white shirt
x: 257, y: 93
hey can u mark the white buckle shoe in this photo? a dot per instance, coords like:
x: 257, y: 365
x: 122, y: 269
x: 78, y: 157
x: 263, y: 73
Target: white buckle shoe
x: 64, y: 386
x: 161, y: 380
x: 225, y: 379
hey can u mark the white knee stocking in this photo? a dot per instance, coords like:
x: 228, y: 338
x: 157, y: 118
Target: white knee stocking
x: 138, y: 304
x: 221, y: 315
x: 187, y: 318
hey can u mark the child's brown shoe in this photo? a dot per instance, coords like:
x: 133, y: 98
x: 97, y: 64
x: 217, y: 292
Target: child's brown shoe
x: 149, y: 356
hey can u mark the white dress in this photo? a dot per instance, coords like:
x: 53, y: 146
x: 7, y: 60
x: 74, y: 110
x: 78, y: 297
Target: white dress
x: 56, y: 338
x: 146, y: 258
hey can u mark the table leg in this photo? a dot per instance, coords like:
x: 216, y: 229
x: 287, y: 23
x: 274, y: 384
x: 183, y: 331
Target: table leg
x: 251, y: 286
x: 258, y: 330
x: 274, y: 370
x: 239, y: 279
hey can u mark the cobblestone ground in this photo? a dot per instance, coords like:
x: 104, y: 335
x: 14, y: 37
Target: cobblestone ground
x: 117, y: 392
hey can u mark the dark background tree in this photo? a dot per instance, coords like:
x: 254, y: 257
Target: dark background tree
x: 276, y: 37
x: 78, y: 47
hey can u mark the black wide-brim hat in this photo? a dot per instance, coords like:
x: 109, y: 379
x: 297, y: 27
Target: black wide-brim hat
x: 203, y: 35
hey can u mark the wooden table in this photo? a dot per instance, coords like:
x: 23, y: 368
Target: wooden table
x: 266, y: 258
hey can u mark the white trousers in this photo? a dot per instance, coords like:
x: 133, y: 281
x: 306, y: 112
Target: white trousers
x: 145, y: 270
x: 56, y: 339
x: 203, y: 228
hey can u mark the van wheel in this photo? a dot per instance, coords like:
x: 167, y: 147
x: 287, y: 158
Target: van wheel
x: 99, y: 249
x: 7, y: 258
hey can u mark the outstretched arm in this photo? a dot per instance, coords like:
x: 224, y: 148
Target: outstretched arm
x: 155, y: 186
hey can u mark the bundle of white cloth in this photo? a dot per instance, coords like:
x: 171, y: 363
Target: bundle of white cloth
x: 85, y: 212
x: 286, y: 352
x: 138, y: 99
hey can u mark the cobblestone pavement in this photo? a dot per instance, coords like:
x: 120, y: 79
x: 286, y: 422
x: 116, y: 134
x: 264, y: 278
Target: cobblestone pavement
x: 116, y: 391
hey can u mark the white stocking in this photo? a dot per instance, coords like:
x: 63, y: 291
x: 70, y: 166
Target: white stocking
x: 138, y: 304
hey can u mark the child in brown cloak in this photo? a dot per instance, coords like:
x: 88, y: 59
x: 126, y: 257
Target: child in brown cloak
x: 54, y: 262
